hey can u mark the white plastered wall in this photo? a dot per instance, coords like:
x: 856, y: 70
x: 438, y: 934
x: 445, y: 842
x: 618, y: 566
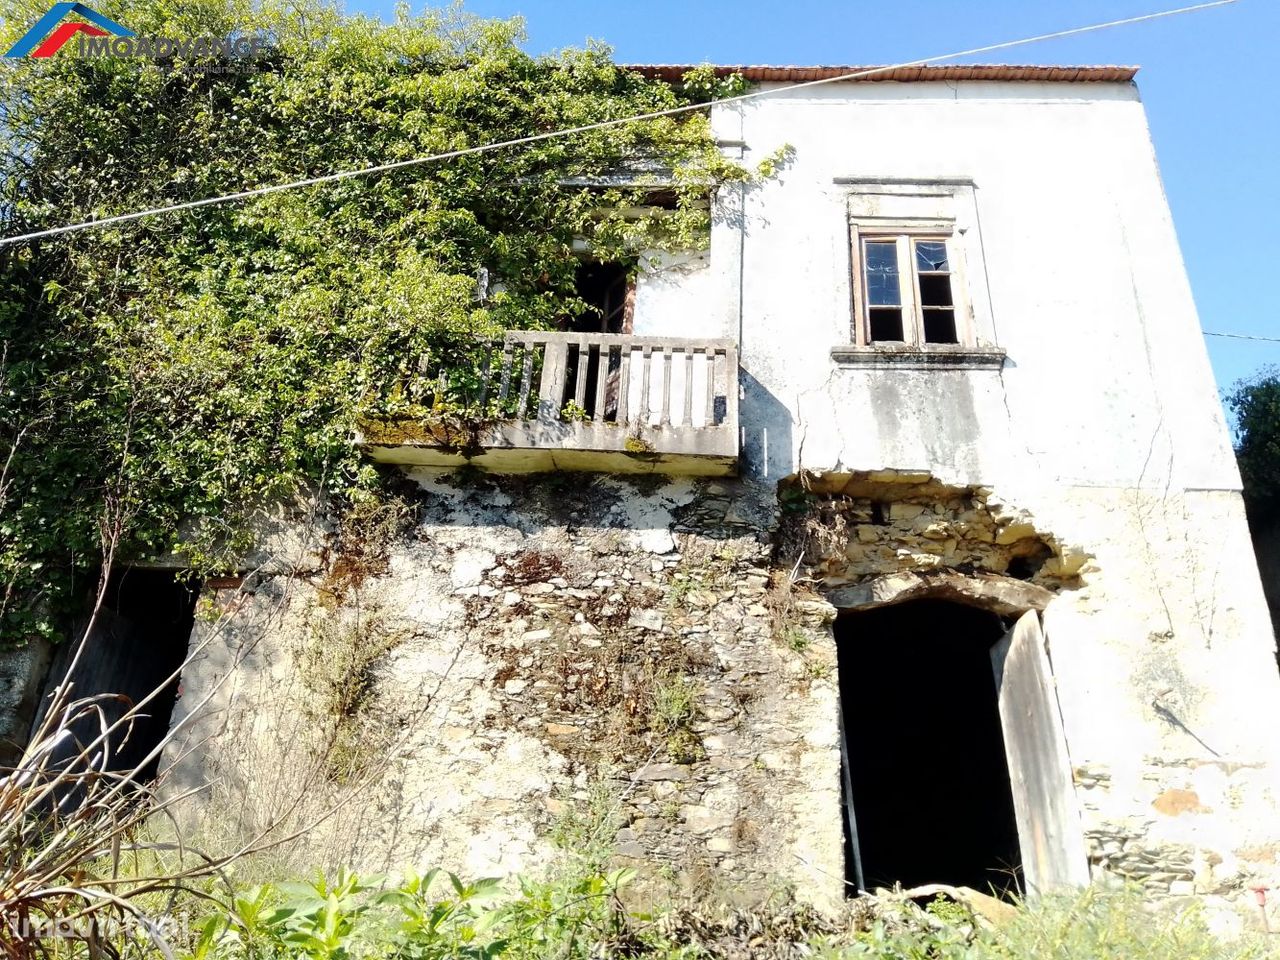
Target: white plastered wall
x: 1103, y: 421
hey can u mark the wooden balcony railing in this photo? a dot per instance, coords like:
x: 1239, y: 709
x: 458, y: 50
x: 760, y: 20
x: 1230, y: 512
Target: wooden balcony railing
x: 545, y: 400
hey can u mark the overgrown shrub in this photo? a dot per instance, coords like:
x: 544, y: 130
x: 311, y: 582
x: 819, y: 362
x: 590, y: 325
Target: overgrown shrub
x: 439, y: 915
x: 191, y: 366
x: 435, y: 915
x: 1256, y: 405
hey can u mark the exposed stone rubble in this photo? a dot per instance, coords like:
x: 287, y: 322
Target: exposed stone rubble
x: 853, y: 526
x: 563, y: 641
x: 589, y: 634
x: 1178, y: 848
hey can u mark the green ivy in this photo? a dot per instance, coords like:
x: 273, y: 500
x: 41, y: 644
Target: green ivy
x: 163, y: 378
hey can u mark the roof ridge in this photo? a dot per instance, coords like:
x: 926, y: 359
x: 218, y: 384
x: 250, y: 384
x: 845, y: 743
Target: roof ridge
x: 961, y: 71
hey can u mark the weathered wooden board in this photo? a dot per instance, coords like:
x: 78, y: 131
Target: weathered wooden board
x: 1044, y: 800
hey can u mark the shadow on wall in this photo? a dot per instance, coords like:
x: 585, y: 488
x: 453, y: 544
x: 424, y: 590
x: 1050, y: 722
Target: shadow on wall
x: 766, y: 431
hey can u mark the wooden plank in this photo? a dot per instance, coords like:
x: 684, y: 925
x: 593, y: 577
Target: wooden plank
x: 1050, y: 835
x: 851, y: 820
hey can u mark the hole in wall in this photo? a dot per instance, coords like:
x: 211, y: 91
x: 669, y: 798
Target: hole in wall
x: 1028, y: 563
x: 925, y: 759
x: 140, y: 638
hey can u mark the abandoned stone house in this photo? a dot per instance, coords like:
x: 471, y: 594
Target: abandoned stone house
x: 895, y: 537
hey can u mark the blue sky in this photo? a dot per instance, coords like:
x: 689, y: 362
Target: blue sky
x: 1208, y: 80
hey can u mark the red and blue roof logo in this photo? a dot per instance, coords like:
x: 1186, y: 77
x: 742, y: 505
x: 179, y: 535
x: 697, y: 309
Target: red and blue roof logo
x: 43, y: 40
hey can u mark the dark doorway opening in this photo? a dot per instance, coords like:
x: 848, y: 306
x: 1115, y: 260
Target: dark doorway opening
x: 925, y: 757
x: 606, y: 288
x: 140, y: 638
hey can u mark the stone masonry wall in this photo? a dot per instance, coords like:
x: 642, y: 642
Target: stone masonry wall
x: 608, y: 662
x: 623, y: 665
x: 1162, y: 654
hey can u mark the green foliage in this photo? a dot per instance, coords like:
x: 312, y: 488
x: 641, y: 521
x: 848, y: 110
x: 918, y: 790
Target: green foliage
x: 793, y: 638
x: 672, y: 710
x: 585, y: 830
x: 174, y: 373
x: 575, y: 412
x: 580, y: 915
x: 435, y: 915
x: 637, y: 444
x: 796, y: 499
x: 674, y: 704
x: 1118, y: 925
x: 338, y: 666
x: 1256, y: 405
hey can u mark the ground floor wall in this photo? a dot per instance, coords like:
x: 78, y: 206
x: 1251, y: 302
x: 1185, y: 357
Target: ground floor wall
x: 647, y: 669
x: 535, y: 665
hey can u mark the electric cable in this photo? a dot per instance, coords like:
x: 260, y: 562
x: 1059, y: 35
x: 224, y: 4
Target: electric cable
x: 586, y: 128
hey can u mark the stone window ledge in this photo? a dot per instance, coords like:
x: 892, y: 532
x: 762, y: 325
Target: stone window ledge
x: 914, y: 358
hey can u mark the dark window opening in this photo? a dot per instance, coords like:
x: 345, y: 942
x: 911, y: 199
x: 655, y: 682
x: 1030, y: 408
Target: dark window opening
x: 607, y: 290
x: 940, y: 326
x: 926, y: 765
x: 907, y: 292
x: 886, y: 324
x: 140, y: 638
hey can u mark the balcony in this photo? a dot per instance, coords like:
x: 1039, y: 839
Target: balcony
x: 538, y: 401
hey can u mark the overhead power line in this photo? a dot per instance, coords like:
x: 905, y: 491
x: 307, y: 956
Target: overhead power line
x: 586, y: 128
x: 1240, y: 336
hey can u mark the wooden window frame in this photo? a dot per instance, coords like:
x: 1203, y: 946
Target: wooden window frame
x: 905, y: 234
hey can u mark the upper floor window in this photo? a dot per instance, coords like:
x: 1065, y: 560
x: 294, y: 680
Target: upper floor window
x: 906, y: 291
x: 916, y: 276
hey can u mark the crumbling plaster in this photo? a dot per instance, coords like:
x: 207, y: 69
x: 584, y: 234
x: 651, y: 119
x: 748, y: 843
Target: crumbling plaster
x: 1106, y: 381
x: 538, y: 624
x: 1095, y: 454
x: 533, y: 617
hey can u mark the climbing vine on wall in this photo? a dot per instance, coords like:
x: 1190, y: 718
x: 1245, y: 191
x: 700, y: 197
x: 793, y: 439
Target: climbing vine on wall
x: 176, y: 372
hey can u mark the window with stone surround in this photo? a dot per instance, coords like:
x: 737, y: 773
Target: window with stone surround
x: 916, y: 276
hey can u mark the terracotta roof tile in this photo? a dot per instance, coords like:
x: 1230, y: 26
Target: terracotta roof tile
x: 986, y: 71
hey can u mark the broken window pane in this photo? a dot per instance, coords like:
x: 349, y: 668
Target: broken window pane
x: 886, y: 324
x: 931, y: 255
x: 935, y: 290
x: 882, y: 274
x: 940, y: 326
